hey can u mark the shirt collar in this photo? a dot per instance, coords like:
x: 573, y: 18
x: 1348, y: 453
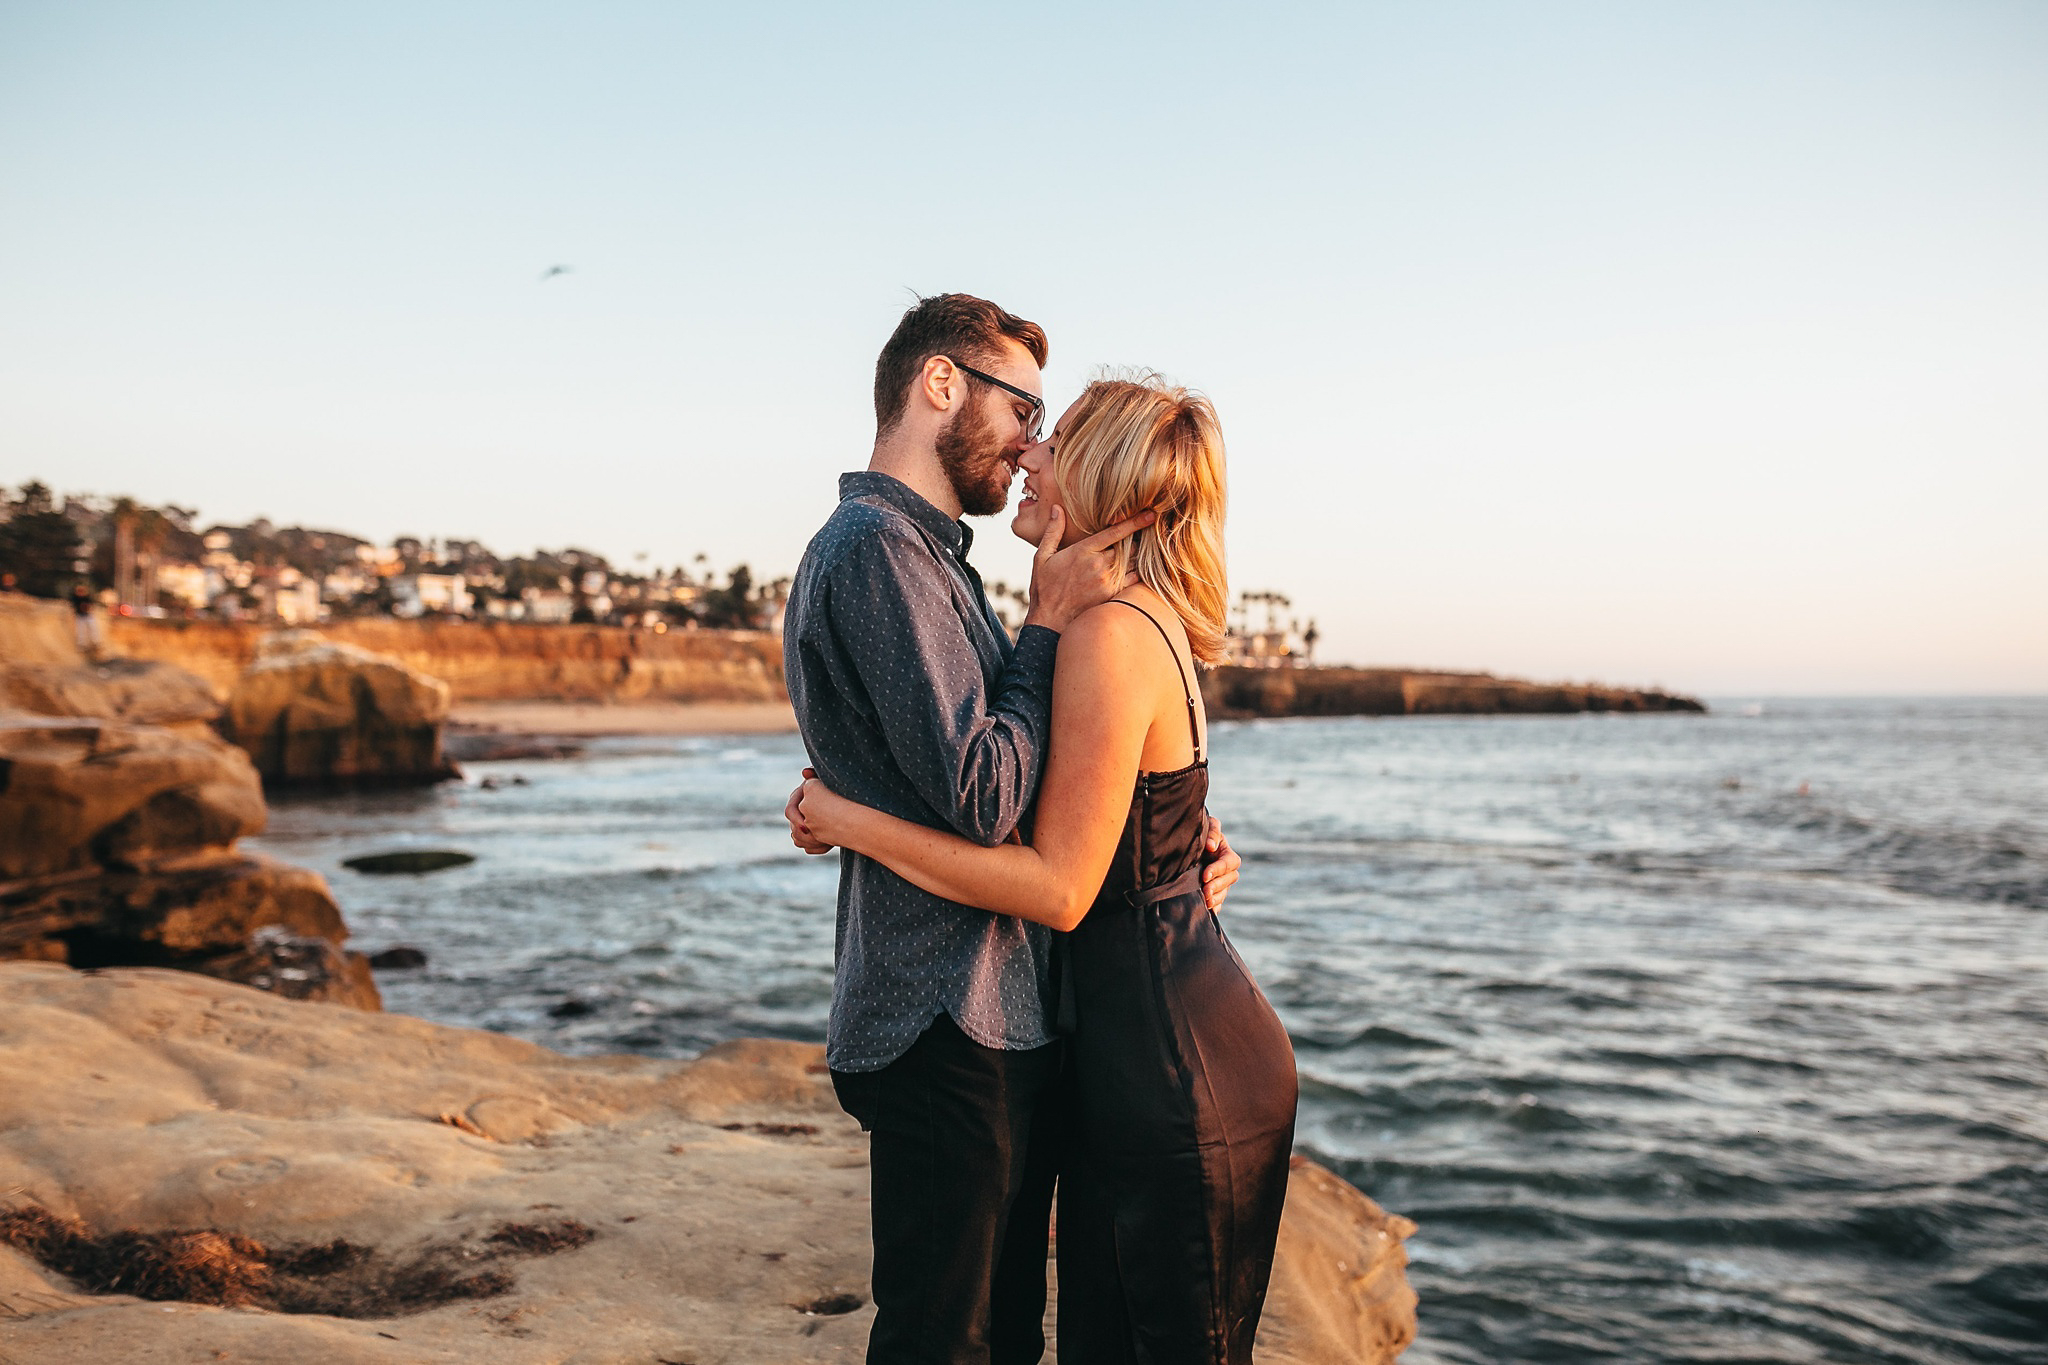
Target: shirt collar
x: 956, y: 536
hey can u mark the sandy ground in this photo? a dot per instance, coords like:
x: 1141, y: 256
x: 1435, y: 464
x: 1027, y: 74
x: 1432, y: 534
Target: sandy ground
x: 625, y: 718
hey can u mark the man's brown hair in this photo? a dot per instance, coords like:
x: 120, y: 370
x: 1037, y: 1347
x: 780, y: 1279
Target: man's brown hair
x: 958, y: 326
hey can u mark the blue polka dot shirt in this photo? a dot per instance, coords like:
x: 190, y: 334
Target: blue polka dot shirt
x: 912, y: 699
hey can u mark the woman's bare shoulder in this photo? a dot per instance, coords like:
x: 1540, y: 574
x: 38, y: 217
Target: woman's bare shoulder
x: 1112, y: 627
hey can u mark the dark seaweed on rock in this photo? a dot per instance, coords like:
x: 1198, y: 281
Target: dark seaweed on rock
x: 339, y: 1278
x: 543, y: 1239
x: 199, y: 1266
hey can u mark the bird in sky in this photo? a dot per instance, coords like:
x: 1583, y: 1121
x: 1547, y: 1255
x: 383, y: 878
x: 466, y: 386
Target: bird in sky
x: 553, y: 271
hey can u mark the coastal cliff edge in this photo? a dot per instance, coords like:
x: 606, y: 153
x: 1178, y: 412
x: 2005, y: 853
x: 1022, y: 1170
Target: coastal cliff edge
x: 367, y: 1188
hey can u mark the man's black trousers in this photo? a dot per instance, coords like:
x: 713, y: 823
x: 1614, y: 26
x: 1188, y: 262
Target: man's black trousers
x: 962, y: 1164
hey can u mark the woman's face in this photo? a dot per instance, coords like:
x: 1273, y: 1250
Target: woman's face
x: 1042, y: 491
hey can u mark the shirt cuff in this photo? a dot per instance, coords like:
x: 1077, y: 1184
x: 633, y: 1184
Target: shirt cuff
x: 1033, y: 656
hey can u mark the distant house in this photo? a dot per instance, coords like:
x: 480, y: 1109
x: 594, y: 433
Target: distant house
x: 549, y: 607
x: 417, y: 594
x: 297, y: 604
x: 187, y: 583
x: 346, y: 582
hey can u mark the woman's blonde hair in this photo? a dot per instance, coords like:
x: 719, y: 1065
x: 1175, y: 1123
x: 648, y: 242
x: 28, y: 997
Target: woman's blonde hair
x: 1135, y: 442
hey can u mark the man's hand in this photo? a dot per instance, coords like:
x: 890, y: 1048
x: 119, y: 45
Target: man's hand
x: 1219, y: 874
x: 1065, y: 583
x: 799, y: 833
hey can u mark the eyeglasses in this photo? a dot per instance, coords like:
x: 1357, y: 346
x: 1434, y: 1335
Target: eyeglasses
x: 1034, y: 421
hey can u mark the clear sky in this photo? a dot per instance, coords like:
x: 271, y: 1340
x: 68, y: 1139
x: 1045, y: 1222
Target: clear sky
x: 1694, y: 343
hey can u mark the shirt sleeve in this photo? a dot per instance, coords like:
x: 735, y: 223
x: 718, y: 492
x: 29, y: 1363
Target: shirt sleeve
x: 973, y: 753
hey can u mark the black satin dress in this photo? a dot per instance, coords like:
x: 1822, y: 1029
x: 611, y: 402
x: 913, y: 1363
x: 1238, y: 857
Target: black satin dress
x: 1182, y: 1100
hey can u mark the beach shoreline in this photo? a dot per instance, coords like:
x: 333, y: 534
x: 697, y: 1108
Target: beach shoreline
x: 579, y: 719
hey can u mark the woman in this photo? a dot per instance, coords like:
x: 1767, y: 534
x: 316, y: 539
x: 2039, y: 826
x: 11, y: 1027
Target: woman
x: 1182, y: 1079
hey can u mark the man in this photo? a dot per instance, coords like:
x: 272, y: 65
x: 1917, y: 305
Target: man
x: 913, y: 699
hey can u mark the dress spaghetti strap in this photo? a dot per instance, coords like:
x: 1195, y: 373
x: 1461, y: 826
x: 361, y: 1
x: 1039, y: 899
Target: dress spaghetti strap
x: 1194, y: 730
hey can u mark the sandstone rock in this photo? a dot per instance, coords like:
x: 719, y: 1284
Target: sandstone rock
x: 1340, y: 1275
x: 84, y: 793
x: 201, y: 905
x: 117, y: 849
x: 241, y: 917
x: 728, y: 1196
x: 117, y: 836
x: 501, y: 661
x: 309, y: 710
x: 140, y: 691
x: 34, y: 630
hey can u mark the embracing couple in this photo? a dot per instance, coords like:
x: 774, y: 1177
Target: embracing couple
x: 1032, y: 988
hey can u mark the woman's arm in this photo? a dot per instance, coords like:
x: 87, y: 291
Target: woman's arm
x: 1102, y: 706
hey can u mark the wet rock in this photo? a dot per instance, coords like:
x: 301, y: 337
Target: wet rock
x: 409, y: 861
x: 398, y: 958
x: 240, y: 917
x: 310, y: 711
x: 199, y: 906
x: 297, y: 967
x: 490, y: 746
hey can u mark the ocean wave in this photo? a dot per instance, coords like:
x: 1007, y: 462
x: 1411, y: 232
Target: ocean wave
x: 2003, y: 865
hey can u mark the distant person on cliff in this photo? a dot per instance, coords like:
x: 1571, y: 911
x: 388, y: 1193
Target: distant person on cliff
x: 1180, y: 1076
x: 85, y: 626
x: 912, y: 698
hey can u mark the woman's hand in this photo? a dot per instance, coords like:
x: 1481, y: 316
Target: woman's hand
x: 799, y: 833
x: 1220, y: 874
x: 825, y: 815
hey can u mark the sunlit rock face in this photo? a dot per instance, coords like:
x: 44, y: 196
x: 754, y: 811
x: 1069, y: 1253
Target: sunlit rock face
x: 117, y: 848
x: 120, y: 808
x: 310, y: 711
x: 484, y: 661
x: 36, y: 631
x: 85, y: 793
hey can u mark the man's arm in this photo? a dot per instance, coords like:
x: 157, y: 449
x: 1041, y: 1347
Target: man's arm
x: 1220, y: 867
x: 973, y: 753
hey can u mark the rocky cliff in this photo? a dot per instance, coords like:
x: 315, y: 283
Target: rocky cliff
x: 310, y: 711
x: 296, y: 1182
x: 120, y: 809
x: 483, y: 662
x: 499, y: 661
x: 1243, y: 692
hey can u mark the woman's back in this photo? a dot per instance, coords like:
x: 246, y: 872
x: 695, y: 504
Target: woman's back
x: 1163, y: 833
x: 1182, y: 1079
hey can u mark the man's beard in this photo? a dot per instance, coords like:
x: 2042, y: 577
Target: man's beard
x: 973, y: 460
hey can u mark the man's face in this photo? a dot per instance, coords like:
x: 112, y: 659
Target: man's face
x: 979, y: 447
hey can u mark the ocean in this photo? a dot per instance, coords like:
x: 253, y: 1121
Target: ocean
x: 1684, y: 1038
